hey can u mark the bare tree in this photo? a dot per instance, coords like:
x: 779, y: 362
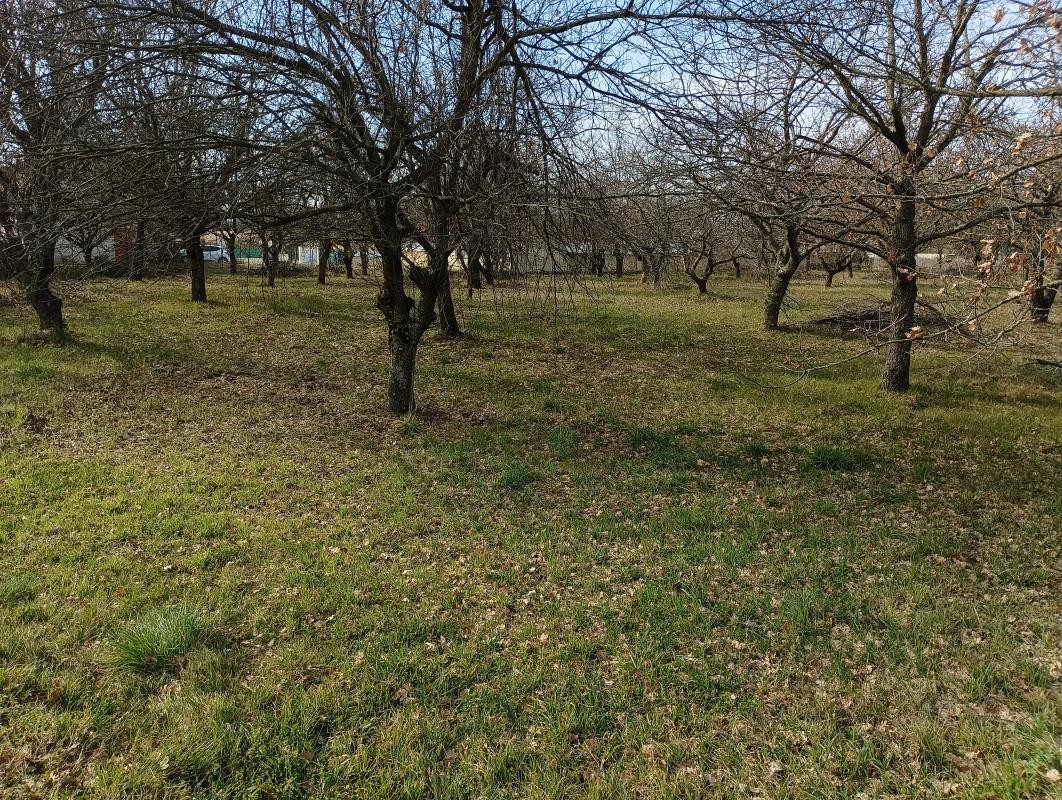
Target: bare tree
x: 52, y: 70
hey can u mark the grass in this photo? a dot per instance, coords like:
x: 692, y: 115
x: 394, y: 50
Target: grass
x: 602, y: 561
x: 158, y: 642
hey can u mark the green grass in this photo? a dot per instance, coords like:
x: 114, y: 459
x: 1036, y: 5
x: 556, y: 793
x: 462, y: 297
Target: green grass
x: 602, y: 561
x: 158, y: 642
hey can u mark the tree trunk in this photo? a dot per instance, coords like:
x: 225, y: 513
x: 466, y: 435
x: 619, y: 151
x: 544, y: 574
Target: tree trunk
x: 348, y: 259
x: 86, y: 254
x: 194, y: 252
x: 1043, y: 296
x: 46, y: 303
x: 400, y: 389
x: 829, y: 278
x: 269, y: 268
x: 138, y: 268
x: 619, y: 264
x: 406, y: 320
x: 447, y: 312
x: 230, y: 245
x: 475, y: 277
x: 784, y: 273
x: 364, y: 256
x: 702, y: 283
x: 896, y: 376
x: 737, y: 269
x: 324, y: 253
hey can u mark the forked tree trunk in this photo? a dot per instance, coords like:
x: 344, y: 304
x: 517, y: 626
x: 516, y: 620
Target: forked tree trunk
x: 324, y: 253
x: 197, y: 269
x: 406, y: 320
x: 896, y: 376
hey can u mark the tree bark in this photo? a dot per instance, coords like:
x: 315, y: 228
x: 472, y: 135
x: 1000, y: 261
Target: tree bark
x: 619, y: 264
x: 230, y: 246
x: 1043, y: 296
x: 348, y: 259
x: 896, y: 376
x: 364, y: 256
x: 406, y: 320
x: 737, y: 269
x: 194, y: 252
x: 138, y: 269
x: 45, y: 302
x: 86, y: 253
x: 401, y: 398
x: 447, y: 312
x: 324, y: 253
x: 783, y: 275
x: 475, y: 278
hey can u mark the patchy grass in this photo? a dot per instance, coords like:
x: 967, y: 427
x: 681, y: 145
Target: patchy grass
x: 602, y: 562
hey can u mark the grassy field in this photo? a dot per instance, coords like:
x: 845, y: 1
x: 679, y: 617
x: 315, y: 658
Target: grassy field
x: 602, y: 561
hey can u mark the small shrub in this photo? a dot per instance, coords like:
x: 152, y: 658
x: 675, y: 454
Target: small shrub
x: 158, y: 642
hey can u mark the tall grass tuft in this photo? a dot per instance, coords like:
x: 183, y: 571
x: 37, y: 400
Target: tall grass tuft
x: 158, y: 641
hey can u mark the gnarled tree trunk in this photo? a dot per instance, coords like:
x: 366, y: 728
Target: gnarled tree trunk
x: 787, y: 267
x: 406, y: 320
